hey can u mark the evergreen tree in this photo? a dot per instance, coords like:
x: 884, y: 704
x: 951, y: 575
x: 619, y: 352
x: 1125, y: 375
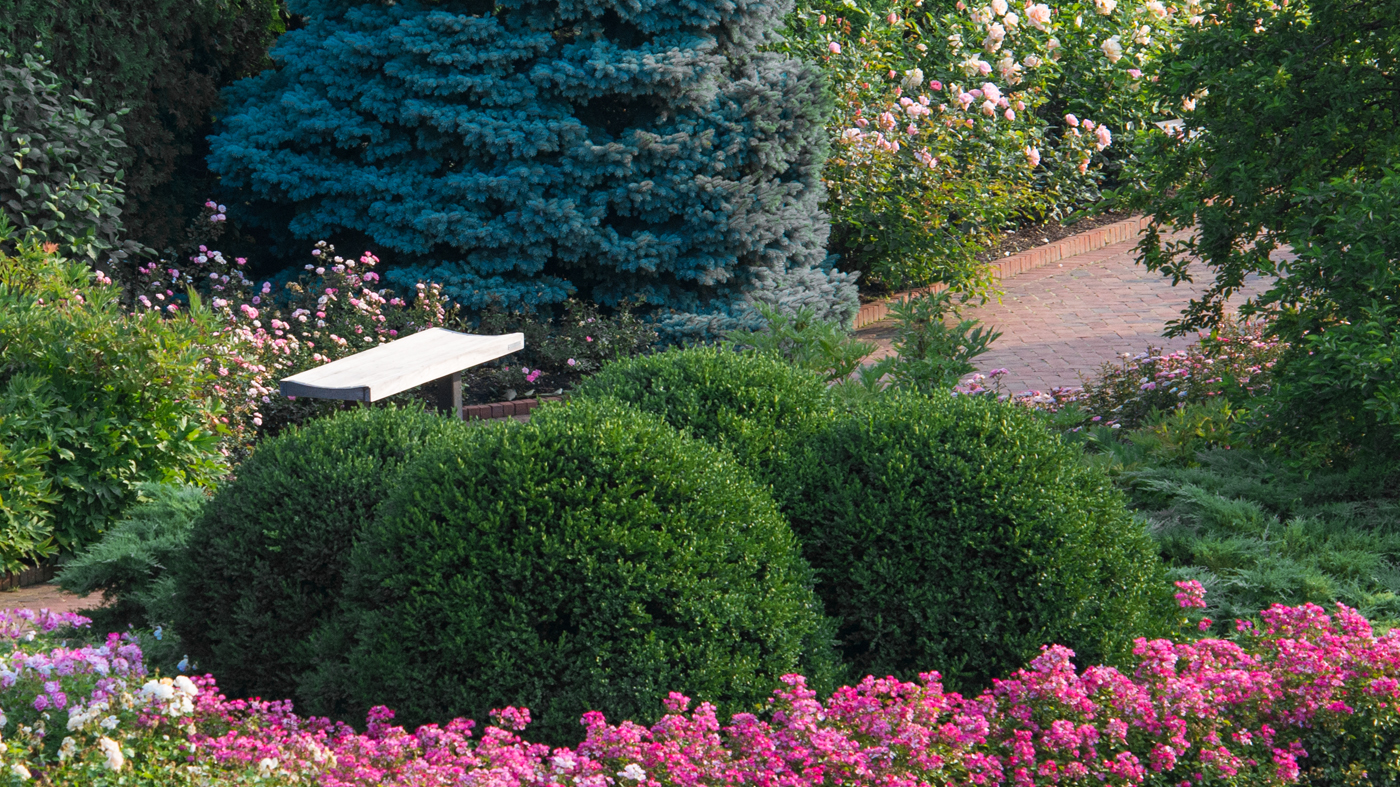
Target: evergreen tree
x: 521, y: 151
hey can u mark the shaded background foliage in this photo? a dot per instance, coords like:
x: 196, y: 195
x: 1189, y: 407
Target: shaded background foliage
x: 165, y: 60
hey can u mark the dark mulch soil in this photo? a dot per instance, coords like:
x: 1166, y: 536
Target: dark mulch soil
x: 1033, y: 235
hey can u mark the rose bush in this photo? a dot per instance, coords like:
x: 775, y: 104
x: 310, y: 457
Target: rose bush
x: 955, y: 124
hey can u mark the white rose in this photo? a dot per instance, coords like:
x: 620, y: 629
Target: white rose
x: 1113, y: 49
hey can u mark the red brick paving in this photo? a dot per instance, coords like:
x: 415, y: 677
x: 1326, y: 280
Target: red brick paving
x: 46, y: 596
x: 1070, y: 317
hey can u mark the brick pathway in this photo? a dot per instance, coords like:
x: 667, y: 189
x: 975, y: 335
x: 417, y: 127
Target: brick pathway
x: 1070, y: 317
x: 46, y: 596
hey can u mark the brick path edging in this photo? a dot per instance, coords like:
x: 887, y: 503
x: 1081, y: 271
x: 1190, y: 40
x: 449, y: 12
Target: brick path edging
x: 511, y: 409
x: 1021, y: 262
x: 34, y: 575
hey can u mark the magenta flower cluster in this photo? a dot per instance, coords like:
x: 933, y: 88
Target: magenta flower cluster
x: 1190, y: 713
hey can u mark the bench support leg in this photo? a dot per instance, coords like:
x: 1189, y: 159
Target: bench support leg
x: 446, y: 392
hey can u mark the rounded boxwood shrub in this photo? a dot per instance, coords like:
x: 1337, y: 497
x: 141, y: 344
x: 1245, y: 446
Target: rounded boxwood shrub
x: 957, y: 534
x: 592, y: 559
x: 754, y: 405
x: 265, y: 559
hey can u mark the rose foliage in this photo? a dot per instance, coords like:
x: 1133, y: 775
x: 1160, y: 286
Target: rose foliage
x: 1300, y: 695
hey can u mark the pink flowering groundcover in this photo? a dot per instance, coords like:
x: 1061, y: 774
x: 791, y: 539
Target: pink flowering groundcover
x: 1282, y: 701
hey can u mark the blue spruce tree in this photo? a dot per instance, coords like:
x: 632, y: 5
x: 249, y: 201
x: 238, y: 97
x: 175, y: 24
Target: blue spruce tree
x: 521, y: 151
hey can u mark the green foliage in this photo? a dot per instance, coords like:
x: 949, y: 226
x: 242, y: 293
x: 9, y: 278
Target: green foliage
x: 930, y: 354
x: 592, y: 559
x: 1288, y: 140
x: 27, y: 496
x: 129, y: 565
x: 111, y: 399
x: 559, y: 350
x: 802, y: 340
x: 756, y: 406
x: 165, y: 61
x: 1255, y: 531
x: 59, y: 175
x: 957, y: 534
x: 1339, y: 305
x: 266, y: 558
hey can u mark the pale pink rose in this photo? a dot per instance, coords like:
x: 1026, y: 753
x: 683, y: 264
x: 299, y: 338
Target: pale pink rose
x: 989, y: 108
x: 1039, y: 15
x: 821, y: 20
x: 1089, y: 125
x: 1010, y: 114
x: 1033, y: 156
x: 1104, y: 137
x: 834, y: 47
x: 1071, y: 121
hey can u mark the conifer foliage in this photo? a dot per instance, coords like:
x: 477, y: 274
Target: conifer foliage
x: 521, y: 151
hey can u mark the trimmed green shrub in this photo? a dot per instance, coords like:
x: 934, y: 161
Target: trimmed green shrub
x: 265, y: 560
x: 957, y: 534
x: 592, y: 559
x: 129, y: 565
x: 110, y: 400
x: 755, y: 405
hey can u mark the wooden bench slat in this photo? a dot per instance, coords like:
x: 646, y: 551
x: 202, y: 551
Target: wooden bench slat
x: 394, y: 367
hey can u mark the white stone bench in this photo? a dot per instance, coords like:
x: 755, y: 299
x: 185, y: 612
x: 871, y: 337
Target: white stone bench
x: 435, y: 355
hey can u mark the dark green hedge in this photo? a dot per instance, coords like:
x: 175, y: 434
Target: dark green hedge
x: 592, y: 559
x: 164, y: 59
x: 756, y: 406
x: 958, y: 534
x: 264, y: 564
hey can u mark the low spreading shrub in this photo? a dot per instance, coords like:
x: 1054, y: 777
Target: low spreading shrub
x: 265, y: 559
x: 1235, y: 362
x: 129, y: 565
x: 958, y: 534
x: 1256, y: 531
x: 594, y: 558
x: 98, y: 399
x: 754, y: 405
x: 1311, y: 699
